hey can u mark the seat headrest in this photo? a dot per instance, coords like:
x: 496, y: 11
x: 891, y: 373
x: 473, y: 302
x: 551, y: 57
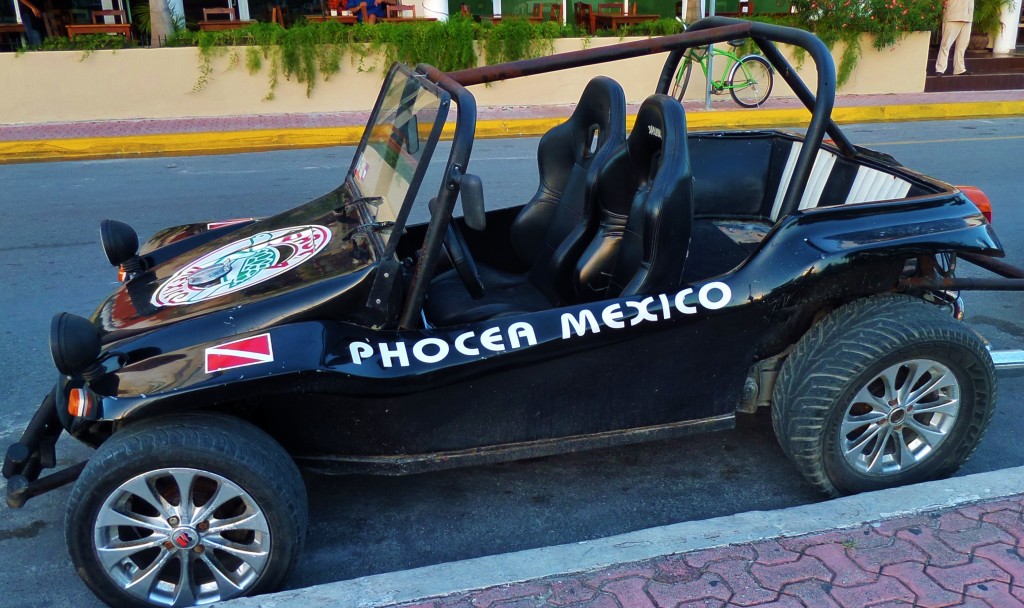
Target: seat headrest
x: 659, y: 133
x: 603, y: 103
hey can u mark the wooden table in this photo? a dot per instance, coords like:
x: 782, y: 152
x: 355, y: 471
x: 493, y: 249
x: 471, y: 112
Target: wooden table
x: 12, y: 35
x: 79, y: 29
x: 346, y: 19
x: 219, y: 25
x: 613, y: 21
x: 496, y: 19
x: 405, y: 19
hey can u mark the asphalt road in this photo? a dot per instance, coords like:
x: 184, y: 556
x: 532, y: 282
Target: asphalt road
x: 365, y: 525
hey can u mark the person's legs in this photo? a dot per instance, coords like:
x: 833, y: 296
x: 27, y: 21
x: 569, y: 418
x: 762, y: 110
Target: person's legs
x: 949, y: 33
x: 31, y: 32
x: 963, y: 38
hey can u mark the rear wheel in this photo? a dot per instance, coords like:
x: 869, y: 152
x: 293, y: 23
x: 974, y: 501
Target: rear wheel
x: 186, y: 510
x: 750, y: 81
x: 883, y: 392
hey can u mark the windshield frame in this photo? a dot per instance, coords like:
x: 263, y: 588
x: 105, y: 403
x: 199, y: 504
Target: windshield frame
x: 428, y: 147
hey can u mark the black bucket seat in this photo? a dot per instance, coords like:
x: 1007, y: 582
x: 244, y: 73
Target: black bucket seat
x: 553, y: 228
x: 645, y: 201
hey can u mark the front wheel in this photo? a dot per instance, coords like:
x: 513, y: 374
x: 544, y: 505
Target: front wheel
x: 682, y: 79
x: 750, y: 81
x: 186, y: 510
x: 883, y: 392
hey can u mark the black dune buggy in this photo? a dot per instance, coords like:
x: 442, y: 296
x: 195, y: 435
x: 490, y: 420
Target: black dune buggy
x: 648, y: 289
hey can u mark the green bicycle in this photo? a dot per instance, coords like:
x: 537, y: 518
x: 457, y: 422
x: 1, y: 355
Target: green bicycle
x: 749, y: 78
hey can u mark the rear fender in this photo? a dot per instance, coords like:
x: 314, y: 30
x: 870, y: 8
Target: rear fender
x: 843, y: 252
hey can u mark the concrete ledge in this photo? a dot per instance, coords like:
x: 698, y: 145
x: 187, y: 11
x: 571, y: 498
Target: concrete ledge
x: 445, y: 579
x: 227, y: 142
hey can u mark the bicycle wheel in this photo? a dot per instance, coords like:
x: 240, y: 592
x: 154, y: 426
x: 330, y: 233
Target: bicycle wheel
x: 682, y: 78
x: 750, y: 81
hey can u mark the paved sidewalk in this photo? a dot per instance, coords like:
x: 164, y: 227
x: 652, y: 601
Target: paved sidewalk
x: 229, y: 134
x: 955, y: 542
x: 971, y: 556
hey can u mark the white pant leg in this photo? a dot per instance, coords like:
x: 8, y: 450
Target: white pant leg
x: 949, y: 34
x: 963, y: 38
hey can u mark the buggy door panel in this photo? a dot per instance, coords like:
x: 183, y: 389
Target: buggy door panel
x: 588, y: 369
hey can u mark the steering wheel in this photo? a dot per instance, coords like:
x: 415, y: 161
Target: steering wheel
x: 462, y: 260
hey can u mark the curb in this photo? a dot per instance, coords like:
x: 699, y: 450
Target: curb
x: 743, y: 528
x: 228, y: 142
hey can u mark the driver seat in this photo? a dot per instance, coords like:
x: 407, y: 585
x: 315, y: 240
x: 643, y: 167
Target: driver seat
x: 553, y: 228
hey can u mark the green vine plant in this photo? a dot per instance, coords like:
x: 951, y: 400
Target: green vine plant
x: 87, y: 44
x: 887, y: 21
x: 310, y: 52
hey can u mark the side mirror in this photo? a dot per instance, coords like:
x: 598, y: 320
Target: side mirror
x: 471, y: 188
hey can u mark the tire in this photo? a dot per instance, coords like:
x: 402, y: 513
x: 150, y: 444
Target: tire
x: 751, y: 81
x: 682, y: 79
x: 831, y: 402
x: 158, y: 551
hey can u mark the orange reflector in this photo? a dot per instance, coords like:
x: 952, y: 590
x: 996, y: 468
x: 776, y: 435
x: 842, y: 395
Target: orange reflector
x: 79, y: 402
x: 121, y: 274
x: 979, y: 199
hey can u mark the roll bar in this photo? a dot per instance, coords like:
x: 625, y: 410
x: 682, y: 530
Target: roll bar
x: 704, y: 32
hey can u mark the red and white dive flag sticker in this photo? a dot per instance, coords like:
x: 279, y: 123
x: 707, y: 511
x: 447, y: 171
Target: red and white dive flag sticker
x: 239, y: 353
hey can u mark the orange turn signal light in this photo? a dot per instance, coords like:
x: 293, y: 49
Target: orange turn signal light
x: 980, y: 199
x: 121, y: 274
x: 80, y: 402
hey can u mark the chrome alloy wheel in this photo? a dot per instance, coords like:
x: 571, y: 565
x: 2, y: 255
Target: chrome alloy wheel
x: 182, y: 537
x: 900, y: 417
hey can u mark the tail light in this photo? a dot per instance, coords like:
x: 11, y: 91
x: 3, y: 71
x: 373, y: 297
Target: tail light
x: 979, y: 199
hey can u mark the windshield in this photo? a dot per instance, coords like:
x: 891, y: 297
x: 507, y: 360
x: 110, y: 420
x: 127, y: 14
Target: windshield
x: 398, y: 142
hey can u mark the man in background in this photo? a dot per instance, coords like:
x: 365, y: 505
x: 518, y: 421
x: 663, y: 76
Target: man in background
x: 32, y: 19
x: 957, y: 16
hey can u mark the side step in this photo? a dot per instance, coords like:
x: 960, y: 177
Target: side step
x: 1008, y: 359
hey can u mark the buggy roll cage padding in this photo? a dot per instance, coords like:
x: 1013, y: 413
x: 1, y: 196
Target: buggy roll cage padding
x: 704, y: 32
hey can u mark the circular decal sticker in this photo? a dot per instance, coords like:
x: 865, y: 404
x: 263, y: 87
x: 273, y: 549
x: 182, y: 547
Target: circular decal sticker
x: 242, y: 264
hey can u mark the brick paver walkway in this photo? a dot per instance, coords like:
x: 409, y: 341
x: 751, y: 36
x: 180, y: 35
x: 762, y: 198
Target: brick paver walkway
x: 969, y: 556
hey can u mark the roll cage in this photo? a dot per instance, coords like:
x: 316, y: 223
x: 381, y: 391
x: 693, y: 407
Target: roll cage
x: 704, y: 32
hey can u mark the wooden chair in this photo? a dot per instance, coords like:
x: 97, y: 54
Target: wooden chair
x: 464, y: 10
x: 584, y: 16
x: 118, y: 16
x: 537, y: 10
x: 55, y: 23
x: 610, y: 7
x: 556, y: 12
x: 277, y: 15
x: 396, y: 10
x: 228, y: 22
x: 229, y: 13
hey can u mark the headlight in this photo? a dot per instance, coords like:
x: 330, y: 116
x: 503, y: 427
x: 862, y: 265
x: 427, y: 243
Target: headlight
x: 75, y: 345
x: 120, y: 243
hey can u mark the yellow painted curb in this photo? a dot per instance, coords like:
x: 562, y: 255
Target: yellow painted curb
x: 226, y: 142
